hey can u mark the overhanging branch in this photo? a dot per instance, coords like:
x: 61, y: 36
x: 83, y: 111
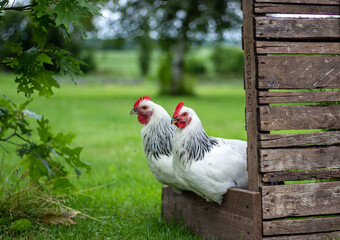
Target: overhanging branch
x: 19, y: 8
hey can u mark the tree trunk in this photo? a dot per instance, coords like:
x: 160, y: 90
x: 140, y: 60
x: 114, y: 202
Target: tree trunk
x: 177, y: 66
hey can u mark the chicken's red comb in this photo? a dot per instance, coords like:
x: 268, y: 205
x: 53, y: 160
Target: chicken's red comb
x: 141, y: 99
x: 178, y: 108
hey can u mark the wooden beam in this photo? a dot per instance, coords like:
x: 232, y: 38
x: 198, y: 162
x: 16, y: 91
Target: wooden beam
x: 297, y: 28
x: 283, y: 159
x: 301, y: 226
x: 327, y: 2
x: 298, y: 72
x: 295, y: 200
x: 299, y: 117
x: 274, y: 47
x: 301, y: 139
x: 296, y: 9
x: 274, y: 177
x: 314, y: 236
x: 239, y: 216
x: 250, y: 83
x: 266, y: 97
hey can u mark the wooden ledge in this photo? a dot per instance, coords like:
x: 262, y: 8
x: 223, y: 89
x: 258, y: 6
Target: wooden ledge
x: 239, y: 216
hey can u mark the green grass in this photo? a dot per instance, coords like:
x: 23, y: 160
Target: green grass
x: 99, y: 115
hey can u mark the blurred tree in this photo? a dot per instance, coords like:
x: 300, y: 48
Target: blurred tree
x: 176, y: 24
x: 228, y: 60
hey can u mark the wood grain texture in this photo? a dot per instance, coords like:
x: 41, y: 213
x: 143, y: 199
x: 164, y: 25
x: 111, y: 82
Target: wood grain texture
x: 315, y: 236
x: 297, y: 28
x: 327, y: 2
x: 298, y: 72
x: 250, y: 83
x: 283, y: 159
x: 294, y: 200
x: 274, y: 47
x: 298, y: 226
x: 266, y: 97
x: 299, y: 117
x: 301, y: 139
x: 274, y: 177
x: 296, y: 9
x: 239, y: 216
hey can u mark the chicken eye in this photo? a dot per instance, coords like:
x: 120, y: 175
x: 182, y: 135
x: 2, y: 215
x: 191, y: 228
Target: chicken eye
x: 145, y: 107
x: 184, y: 114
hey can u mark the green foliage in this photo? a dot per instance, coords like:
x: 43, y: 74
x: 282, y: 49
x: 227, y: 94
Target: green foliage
x: 195, y: 65
x: 45, y: 155
x: 33, y: 63
x: 228, y: 60
x: 42, y: 154
x: 164, y: 75
x: 20, y: 225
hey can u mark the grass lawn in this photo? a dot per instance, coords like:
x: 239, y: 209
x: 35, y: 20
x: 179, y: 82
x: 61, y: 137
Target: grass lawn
x: 99, y: 115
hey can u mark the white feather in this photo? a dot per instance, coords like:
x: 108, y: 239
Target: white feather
x: 222, y: 167
x: 153, y: 136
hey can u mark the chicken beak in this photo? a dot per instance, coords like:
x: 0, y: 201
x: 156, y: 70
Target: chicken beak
x: 133, y: 111
x: 174, y: 120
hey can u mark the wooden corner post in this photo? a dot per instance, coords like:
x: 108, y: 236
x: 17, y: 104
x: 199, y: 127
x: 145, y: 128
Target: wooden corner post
x: 250, y: 77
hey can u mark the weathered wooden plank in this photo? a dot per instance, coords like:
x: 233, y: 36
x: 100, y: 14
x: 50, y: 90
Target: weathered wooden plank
x: 299, y: 226
x: 294, y: 200
x: 274, y: 177
x: 315, y: 236
x: 296, y: 9
x: 301, y: 139
x: 239, y: 216
x: 327, y: 2
x: 250, y: 83
x: 298, y: 72
x: 282, y: 159
x: 299, y: 117
x: 266, y: 97
x: 297, y: 28
x: 274, y: 47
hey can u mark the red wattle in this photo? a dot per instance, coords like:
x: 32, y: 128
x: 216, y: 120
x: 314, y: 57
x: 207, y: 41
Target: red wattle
x: 142, y: 119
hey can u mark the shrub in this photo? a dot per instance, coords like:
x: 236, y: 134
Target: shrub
x: 228, y: 60
x: 195, y: 66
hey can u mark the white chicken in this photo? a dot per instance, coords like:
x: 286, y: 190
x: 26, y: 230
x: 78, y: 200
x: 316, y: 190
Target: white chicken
x: 157, y: 134
x: 206, y: 165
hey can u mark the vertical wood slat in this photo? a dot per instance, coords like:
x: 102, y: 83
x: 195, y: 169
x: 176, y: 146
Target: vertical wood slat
x: 297, y: 28
x: 296, y: 200
x: 250, y: 76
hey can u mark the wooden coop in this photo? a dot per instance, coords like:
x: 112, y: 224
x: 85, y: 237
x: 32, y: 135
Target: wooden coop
x: 292, y: 82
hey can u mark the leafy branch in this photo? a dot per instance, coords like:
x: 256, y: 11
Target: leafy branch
x: 39, y: 153
x: 20, y: 8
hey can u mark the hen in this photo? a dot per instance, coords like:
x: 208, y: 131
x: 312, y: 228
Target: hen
x: 206, y: 165
x: 157, y: 134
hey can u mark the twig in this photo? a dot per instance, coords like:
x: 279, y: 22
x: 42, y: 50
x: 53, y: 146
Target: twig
x: 4, y: 148
x: 22, y: 138
x: 21, y: 8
